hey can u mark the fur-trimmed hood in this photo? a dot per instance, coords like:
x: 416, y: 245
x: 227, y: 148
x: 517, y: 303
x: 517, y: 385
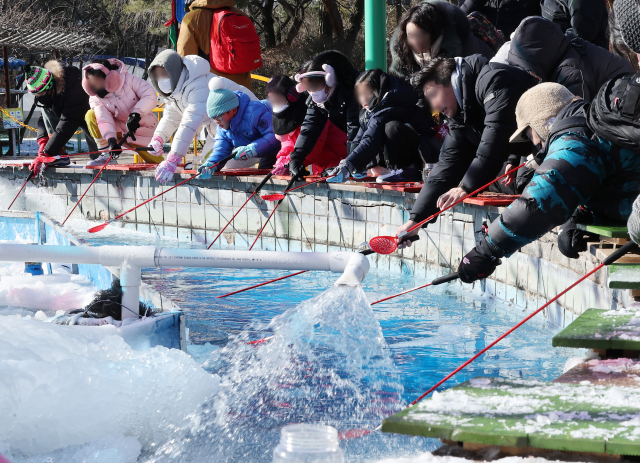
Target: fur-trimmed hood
x: 55, y: 67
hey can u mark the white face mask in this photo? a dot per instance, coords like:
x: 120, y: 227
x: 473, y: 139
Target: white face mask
x: 320, y: 96
x: 165, y: 85
x: 278, y: 109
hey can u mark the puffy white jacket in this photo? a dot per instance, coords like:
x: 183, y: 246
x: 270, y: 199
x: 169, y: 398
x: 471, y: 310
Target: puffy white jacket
x: 186, y: 110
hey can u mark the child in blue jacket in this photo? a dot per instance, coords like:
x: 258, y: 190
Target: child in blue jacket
x: 244, y: 129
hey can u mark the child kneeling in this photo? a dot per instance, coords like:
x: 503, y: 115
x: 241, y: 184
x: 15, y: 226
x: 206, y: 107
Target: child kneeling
x: 244, y: 129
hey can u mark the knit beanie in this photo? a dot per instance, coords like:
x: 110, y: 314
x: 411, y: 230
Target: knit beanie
x: 627, y: 14
x: 220, y: 99
x: 38, y: 79
x: 538, y: 107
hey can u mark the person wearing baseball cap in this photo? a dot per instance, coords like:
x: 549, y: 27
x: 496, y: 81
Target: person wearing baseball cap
x: 580, y: 178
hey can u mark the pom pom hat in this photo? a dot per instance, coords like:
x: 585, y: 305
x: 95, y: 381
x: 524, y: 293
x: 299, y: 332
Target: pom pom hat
x: 38, y: 79
x: 328, y: 73
x: 220, y: 100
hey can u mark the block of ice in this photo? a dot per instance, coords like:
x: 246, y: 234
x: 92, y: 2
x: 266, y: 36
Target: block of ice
x: 65, y: 385
x: 109, y: 449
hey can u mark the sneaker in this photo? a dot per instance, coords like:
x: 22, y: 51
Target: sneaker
x: 408, y: 174
x: 60, y: 162
x: 100, y: 161
x: 383, y: 177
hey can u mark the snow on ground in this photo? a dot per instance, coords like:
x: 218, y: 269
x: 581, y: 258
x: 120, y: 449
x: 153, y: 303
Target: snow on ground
x: 428, y: 457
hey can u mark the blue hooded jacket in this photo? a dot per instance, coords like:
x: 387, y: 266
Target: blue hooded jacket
x: 252, y: 124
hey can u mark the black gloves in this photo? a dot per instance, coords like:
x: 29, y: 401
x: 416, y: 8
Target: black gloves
x: 297, y: 169
x: 114, y: 147
x: 479, y: 263
x: 133, y: 124
x: 572, y: 241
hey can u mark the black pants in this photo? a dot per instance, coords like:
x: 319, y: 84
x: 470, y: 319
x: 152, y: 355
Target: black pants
x: 47, y: 123
x: 401, y: 143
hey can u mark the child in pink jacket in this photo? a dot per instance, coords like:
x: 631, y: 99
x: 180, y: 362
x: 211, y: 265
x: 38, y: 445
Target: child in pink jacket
x: 289, y: 110
x: 120, y: 102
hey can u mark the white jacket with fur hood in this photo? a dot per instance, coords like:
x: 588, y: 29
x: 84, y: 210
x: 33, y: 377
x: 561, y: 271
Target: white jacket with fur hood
x: 186, y: 109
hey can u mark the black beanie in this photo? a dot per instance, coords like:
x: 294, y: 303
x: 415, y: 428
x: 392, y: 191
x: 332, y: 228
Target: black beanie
x: 627, y: 13
x: 284, y: 86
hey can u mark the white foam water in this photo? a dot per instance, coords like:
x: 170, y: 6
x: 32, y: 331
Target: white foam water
x: 327, y: 362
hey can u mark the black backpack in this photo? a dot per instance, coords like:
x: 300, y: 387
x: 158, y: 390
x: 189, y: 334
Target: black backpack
x: 615, y: 112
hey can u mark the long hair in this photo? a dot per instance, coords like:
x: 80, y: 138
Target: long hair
x: 427, y: 17
x: 371, y: 78
x: 618, y: 46
x: 346, y: 73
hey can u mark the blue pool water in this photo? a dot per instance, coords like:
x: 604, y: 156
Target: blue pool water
x: 427, y: 333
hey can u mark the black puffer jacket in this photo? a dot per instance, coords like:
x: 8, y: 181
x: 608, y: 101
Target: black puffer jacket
x: 341, y: 109
x: 399, y: 102
x: 587, y: 19
x: 503, y: 14
x: 540, y: 47
x: 458, y: 40
x: 477, y: 145
x: 70, y: 103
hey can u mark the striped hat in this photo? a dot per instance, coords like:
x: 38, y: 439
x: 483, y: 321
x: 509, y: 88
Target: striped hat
x: 38, y: 79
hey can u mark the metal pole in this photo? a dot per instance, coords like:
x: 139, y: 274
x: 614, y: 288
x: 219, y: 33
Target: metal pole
x: 7, y: 89
x: 375, y: 34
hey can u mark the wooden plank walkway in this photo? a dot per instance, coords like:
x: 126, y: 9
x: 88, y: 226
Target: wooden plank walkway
x: 602, y: 329
x: 522, y: 413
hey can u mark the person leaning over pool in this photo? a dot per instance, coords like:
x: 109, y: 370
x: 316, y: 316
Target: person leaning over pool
x: 580, y: 176
x: 244, y: 129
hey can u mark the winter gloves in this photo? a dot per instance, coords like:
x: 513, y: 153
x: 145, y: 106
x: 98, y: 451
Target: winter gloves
x: 133, y: 124
x: 572, y: 241
x: 242, y: 153
x: 297, y: 169
x: 158, y: 146
x: 341, y: 173
x: 478, y: 264
x: 114, y: 148
x: 37, y: 165
x: 166, y: 169
x: 207, y: 169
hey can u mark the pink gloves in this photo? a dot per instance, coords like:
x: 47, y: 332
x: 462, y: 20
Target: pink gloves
x: 166, y: 169
x: 157, y: 145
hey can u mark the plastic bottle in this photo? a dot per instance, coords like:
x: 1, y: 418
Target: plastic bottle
x: 308, y: 443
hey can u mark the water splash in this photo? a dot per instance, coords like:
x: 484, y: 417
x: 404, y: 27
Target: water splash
x: 327, y: 362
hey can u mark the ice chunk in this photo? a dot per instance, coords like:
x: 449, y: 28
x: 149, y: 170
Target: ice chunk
x: 109, y: 449
x: 65, y: 385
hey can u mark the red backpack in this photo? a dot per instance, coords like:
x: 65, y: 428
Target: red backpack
x: 235, y: 45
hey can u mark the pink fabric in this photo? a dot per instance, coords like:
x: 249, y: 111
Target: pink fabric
x: 330, y: 149
x: 133, y: 95
x: 112, y: 80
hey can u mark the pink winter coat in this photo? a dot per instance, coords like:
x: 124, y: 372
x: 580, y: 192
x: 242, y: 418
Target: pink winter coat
x: 127, y: 94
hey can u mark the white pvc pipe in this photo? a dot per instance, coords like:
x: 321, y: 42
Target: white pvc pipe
x: 353, y: 266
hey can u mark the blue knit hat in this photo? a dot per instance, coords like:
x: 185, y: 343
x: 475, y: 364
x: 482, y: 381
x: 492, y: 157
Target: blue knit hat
x: 220, y: 100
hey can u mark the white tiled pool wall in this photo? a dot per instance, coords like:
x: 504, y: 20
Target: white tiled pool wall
x: 324, y: 218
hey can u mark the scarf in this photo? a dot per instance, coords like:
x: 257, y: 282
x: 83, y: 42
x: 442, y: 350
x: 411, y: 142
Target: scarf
x: 423, y: 58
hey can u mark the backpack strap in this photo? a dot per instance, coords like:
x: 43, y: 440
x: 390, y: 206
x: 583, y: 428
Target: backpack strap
x: 630, y: 98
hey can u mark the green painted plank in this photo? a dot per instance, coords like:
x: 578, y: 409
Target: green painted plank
x: 609, y: 232
x: 600, y: 329
x: 517, y: 413
x: 624, y: 276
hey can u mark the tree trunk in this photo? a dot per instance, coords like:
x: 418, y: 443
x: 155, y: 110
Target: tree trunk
x: 355, y: 20
x: 326, y: 29
x: 334, y: 17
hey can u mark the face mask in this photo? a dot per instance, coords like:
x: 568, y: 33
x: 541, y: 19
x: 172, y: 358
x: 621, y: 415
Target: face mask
x: 278, y: 109
x: 46, y: 99
x: 320, y: 96
x: 102, y: 93
x: 165, y: 85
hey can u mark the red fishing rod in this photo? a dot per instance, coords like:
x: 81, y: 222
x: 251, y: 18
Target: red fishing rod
x: 102, y: 226
x: 388, y: 244
x: 49, y: 159
x: 29, y: 177
x: 258, y: 188
x: 630, y: 246
x: 111, y: 156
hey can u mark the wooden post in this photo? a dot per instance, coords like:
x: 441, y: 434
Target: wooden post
x: 7, y: 104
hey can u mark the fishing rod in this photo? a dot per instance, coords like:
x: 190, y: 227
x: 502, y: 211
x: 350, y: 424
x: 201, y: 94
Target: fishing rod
x: 388, y: 244
x: 257, y: 190
x: 102, y: 226
x: 279, y: 199
x: 124, y: 138
x: 630, y: 246
x: 49, y: 159
x: 436, y: 282
x: 29, y: 177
